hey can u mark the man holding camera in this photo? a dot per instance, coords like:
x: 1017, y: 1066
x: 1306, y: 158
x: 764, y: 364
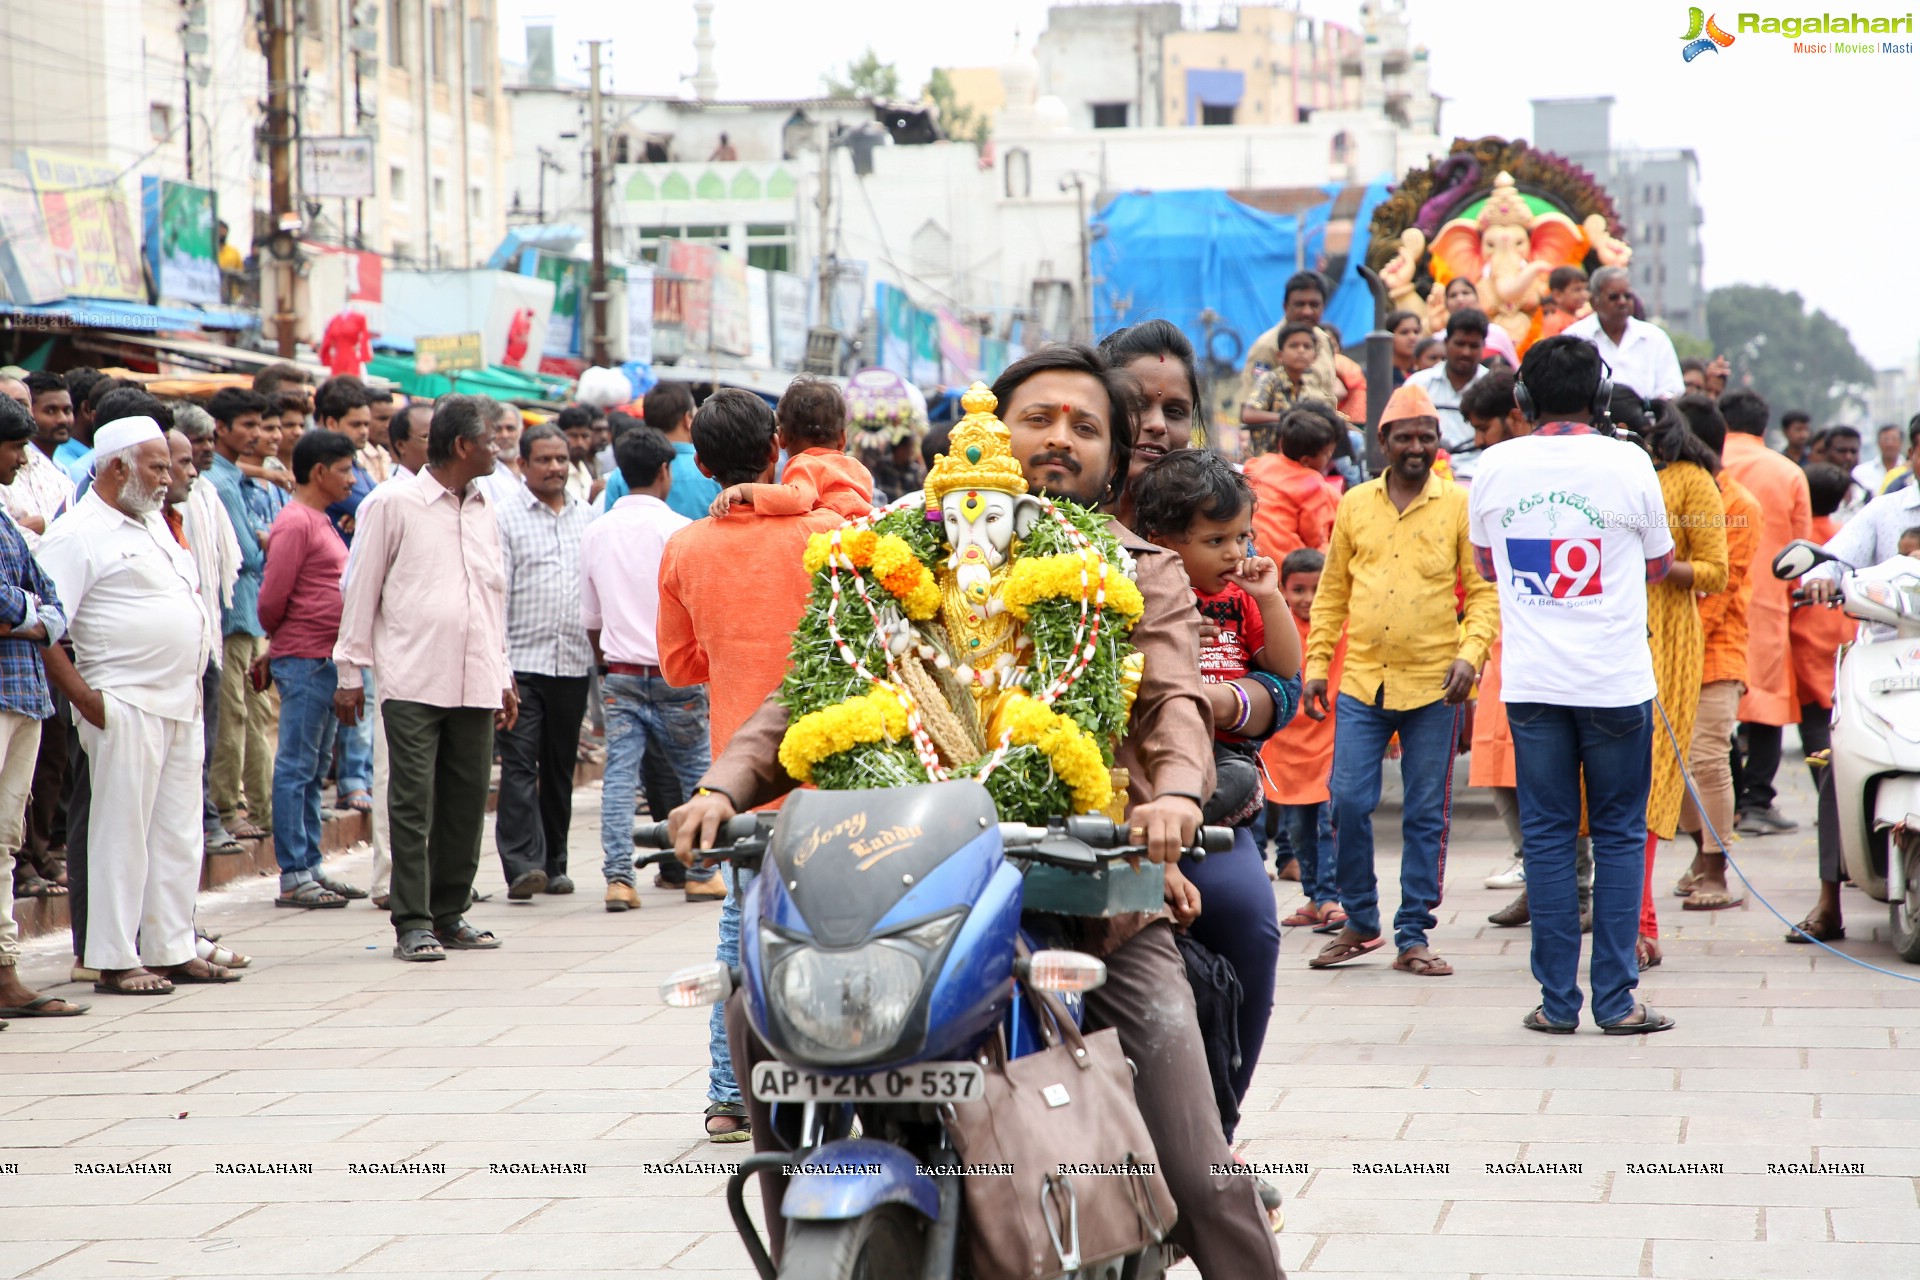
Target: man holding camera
x: 1570, y: 526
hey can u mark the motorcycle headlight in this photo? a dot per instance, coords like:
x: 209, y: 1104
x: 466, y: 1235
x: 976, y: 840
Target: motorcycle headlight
x: 846, y: 1005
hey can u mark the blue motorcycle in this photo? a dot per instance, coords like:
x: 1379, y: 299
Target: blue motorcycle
x: 879, y: 953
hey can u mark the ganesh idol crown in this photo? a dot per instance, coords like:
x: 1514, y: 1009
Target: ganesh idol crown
x: 972, y: 630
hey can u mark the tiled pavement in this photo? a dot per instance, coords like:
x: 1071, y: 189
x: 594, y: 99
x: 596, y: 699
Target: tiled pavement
x: 556, y: 1049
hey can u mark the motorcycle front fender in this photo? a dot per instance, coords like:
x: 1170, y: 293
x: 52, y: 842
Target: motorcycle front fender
x: 847, y: 1179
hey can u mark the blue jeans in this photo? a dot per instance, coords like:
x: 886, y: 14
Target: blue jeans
x: 356, y: 749
x: 1309, y: 829
x: 1427, y: 738
x: 645, y: 713
x: 300, y: 765
x: 1554, y: 749
x: 1239, y: 923
x: 721, y: 1086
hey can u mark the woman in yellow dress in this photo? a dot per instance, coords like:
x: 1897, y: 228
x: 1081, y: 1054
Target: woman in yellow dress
x: 1687, y: 468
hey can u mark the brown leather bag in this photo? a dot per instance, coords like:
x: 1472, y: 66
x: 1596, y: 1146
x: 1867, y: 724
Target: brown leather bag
x: 1085, y: 1183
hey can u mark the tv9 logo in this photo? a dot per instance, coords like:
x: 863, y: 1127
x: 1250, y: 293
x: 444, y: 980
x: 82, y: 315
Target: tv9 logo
x: 1555, y: 568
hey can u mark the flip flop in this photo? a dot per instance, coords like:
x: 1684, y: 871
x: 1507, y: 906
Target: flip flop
x: 1303, y: 917
x: 248, y: 830
x: 1537, y: 1021
x: 1422, y: 966
x: 1655, y: 1021
x: 1334, y: 921
x: 358, y: 801
x: 1340, y: 952
x: 1684, y: 885
x: 1710, y: 900
x: 1811, y: 930
x: 37, y: 1008
x: 217, y: 975
x: 113, y: 987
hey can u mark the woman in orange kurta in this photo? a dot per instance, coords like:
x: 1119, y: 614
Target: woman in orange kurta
x: 1694, y: 517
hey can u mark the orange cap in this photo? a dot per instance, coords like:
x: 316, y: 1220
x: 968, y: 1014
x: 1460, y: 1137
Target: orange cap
x: 1409, y: 401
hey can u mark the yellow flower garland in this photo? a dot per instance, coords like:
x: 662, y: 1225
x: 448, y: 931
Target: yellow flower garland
x: 1058, y: 577
x: 893, y: 564
x: 872, y: 717
x: 1073, y: 753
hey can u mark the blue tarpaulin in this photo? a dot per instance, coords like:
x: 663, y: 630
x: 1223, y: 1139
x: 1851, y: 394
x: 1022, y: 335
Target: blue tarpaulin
x: 1173, y: 254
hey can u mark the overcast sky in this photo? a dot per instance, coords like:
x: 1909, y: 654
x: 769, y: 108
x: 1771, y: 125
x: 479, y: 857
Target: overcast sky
x: 1809, y: 164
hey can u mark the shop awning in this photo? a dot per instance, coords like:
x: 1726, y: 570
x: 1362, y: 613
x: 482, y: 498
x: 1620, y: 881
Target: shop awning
x: 92, y: 313
x: 498, y: 381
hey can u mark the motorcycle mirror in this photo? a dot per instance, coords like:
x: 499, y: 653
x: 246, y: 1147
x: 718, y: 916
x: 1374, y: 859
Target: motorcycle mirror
x: 1799, y: 556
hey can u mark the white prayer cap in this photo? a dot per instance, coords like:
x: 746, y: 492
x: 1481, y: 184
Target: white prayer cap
x: 125, y: 433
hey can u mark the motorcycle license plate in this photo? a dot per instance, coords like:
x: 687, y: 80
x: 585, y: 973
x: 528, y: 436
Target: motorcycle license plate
x: 1892, y: 684
x: 922, y: 1082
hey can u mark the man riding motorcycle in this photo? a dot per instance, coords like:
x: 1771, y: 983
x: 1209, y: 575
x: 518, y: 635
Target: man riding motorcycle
x: 1070, y: 420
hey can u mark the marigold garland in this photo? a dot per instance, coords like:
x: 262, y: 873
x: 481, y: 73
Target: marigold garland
x: 1073, y: 753
x: 878, y: 716
x: 1067, y: 577
x: 1050, y: 748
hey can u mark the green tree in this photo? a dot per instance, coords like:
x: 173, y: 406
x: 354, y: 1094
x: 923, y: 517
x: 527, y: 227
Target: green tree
x: 865, y: 77
x: 957, y: 121
x: 1686, y: 346
x: 1793, y: 359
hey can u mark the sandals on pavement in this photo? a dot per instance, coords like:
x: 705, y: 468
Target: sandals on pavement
x: 248, y: 830
x: 208, y: 974
x: 1338, y: 952
x: 357, y: 801
x: 223, y: 843
x: 727, y: 1122
x: 1333, y: 920
x: 1817, y: 929
x: 1710, y: 900
x: 1537, y: 1021
x: 340, y: 888
x: 1685, y: 884
x: 418, y: 944
x: 1422, y: 966
x: 311, y: 896
x: 225, y: 957
x: 119, y: 982
x: 1307, y: 915
x: 1651, y: 1022
x: 42, y: 1007
x: 1646, y: 953
x: 465, y: 937
x: 30, y: 885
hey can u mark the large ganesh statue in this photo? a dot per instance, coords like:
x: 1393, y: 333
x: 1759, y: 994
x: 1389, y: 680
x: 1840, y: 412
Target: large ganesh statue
x: 973, y: 630
x: 1501, y: 216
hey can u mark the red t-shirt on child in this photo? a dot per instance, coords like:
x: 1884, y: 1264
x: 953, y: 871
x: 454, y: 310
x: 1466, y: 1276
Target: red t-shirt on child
x: 1231, y: 654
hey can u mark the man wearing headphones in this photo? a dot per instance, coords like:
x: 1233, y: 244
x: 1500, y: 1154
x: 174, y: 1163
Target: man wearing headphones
x: 1570, y: 526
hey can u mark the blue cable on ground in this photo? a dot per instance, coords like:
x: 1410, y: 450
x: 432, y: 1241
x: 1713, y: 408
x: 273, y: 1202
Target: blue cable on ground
x: 1687, y: 776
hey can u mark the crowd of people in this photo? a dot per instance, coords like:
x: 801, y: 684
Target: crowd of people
x: 212, y: 613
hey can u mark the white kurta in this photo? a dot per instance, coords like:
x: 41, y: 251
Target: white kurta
x: 140, y: 639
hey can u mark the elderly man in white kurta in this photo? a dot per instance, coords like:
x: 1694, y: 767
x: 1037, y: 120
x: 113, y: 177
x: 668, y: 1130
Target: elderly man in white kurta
x: 140, y: 645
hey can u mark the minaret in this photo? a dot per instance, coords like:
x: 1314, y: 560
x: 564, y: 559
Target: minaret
x: 705, y: 83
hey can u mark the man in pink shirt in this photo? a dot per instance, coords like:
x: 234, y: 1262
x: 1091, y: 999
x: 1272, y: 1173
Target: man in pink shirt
x: 300, y: 610
x: 620, y: 605
x: 425, y: 608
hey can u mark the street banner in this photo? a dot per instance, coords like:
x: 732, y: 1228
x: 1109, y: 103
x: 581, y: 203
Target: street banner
x: 89, y: 231
x: 177, y: 224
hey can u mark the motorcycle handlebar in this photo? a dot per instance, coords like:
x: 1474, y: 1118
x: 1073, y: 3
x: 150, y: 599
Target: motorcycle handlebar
x: 1102, y: 837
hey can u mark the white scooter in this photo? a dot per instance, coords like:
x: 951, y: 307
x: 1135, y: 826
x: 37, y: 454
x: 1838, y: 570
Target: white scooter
x: 1876, y: 732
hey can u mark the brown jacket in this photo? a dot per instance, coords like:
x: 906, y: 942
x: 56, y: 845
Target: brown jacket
x: 1168, y: 748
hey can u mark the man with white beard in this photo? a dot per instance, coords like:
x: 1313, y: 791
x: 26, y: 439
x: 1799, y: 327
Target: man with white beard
x: 140, y: 645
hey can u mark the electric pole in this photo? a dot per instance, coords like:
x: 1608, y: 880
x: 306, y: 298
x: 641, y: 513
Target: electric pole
x: 280, y: 165
x: 598, y: 289
x: 825, y: 202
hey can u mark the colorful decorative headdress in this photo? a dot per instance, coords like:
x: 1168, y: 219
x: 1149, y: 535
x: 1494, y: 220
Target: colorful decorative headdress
x: 1505, y: 207
x: 979, y: 454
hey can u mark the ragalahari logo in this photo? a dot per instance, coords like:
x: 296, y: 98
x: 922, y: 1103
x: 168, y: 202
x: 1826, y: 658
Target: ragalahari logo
x: 1713, y: 41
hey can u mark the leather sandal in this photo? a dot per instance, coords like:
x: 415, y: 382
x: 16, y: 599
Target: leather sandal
x: 728, y: 1122
x: 1817, y: 929
x: 1428, y: 966
x: 339, y: 887
x: 1537, y: 1021
x: 311, y: 896
x: 1338, y: 952
x: 465, y: 937
x: 418, y: 944
x: 1652, y: 1021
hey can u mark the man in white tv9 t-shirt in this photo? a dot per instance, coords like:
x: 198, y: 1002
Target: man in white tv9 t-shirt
x: 1569, y: 524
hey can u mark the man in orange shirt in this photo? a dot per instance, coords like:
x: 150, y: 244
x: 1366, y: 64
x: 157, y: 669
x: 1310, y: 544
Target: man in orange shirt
x: 1295, y: 504
x: 707, y: 626
x: 1780, y: 487
x: 1723, y: 621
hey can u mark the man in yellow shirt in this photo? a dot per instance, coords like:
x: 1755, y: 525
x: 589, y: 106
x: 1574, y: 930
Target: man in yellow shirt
x: 1398, y: 566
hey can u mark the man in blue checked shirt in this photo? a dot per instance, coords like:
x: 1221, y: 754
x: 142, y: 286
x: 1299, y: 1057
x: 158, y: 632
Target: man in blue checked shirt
x: 31, y: 615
